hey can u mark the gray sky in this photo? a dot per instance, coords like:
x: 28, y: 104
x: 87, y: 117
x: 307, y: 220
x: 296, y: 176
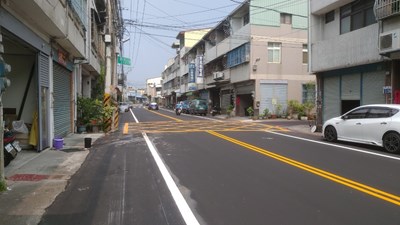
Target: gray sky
x: 152, y: 27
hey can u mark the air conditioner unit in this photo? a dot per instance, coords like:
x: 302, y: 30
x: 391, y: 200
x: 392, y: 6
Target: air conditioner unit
x: 218, y: 75
x: 247, y: 58
x: 389, y: 41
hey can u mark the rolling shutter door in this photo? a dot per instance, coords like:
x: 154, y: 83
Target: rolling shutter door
x: 44, y: 83
x: 351, y: 87
x: 372, y: 88
x: 62, y: 101
x: 271, y: 93
x: 44, y: 70
x: 332, y: 102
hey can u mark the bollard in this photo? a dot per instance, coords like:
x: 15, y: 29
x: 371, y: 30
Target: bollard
x: 88, y: 142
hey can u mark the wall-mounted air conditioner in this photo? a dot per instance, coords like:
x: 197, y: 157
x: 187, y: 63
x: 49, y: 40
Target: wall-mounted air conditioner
x: 389, y: 41
x: 218, y: 75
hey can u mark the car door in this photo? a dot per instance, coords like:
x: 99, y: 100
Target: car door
x: 351, y: 126
x: 378, y: 121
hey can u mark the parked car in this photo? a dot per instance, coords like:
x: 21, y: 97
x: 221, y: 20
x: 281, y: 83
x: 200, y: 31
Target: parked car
x: 185, y: 106
x: 153, y: 106
x: 198, y: 106
x: 123, y: 107
x: 369, y: 124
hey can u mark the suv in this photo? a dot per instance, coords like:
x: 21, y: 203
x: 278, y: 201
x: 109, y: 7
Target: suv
x: 198, y: 106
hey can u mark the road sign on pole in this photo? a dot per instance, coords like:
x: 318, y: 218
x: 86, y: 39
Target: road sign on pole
x: 124, y: 61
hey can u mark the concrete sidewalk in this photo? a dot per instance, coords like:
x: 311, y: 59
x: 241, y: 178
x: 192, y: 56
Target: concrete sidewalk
x: 35, y: 179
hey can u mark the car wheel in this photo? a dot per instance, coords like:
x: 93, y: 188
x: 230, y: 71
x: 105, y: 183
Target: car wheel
x: 330, y: 133
x: 391, y: 142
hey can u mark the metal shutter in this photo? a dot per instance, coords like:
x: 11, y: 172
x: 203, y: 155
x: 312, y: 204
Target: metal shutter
x: 43, y: 108
x: 331, y: 101
x: 372, y: 88
x: 273, y: 92
x: 62, y: 101
x: 351, y: 87
x: 44, y: 70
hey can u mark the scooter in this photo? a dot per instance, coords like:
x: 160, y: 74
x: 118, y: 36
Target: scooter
x: 11, y: 147
x: 178, y: 111
x: 216, y: 111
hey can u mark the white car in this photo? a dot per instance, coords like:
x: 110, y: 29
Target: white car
x: 123, y: 107
x: 369, y: 124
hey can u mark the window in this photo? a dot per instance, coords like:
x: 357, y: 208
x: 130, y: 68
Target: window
x: 330, y: 16
x: 356, y: 15
x: 274, y: 52
x: 238, y: 55
x: 381, y: 112
x: 308, y: 93
x: 357, y: 114
x: 286, y: 18
x: 305, y: 54
x: 246, y: 19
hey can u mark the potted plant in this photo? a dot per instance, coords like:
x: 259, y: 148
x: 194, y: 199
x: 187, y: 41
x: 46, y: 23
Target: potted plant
x: 266, y: 113
x: 229, y: 110
x: 294, y: 107
x: 91, y: 113
x: 308, y: 107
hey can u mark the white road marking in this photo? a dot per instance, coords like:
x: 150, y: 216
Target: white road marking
x: 180, y: 201
x: 338, y: 146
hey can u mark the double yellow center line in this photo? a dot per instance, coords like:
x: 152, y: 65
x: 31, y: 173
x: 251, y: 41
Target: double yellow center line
x: 330, y: 176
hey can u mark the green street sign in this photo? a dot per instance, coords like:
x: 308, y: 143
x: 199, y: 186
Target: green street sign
x: 124, y: 61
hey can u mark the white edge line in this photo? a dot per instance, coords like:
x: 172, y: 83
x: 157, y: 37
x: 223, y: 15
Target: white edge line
x: 134, y: 117
x: 180, y: 201
x: 339, y: 146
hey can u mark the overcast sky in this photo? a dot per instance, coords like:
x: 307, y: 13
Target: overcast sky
x: 152, y: 27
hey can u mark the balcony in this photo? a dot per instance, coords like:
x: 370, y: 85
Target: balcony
x: 386, y: 8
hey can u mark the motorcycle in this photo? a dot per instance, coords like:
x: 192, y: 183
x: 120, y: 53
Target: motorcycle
x: 178, y: 111
x: 11, y: 147
x: 216, y: 111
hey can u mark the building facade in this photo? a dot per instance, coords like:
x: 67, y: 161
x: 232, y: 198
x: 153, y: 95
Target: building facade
x: 153, y: 89
x: 256, y: 57
x: 56, y: 50
x: 352, y: 63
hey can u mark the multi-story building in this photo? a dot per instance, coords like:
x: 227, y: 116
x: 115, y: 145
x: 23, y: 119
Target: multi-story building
x: 256, y: 57
x: 57, y: 51
x: 154, y: 89
x: 176, y: 80
x: 354, y: 54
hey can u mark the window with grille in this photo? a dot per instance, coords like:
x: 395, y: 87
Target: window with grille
x: 308, y: 93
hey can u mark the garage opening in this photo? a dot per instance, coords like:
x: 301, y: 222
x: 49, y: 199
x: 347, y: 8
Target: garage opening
x: 348, y: 105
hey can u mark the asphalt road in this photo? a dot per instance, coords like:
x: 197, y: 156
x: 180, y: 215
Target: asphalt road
x: 226, y: 172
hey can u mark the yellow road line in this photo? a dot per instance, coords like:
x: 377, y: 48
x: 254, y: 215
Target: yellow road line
x: 330, y: 176
x: 169, y: 117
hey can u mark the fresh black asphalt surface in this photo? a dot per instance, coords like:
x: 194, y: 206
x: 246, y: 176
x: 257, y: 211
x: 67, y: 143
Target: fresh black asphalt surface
x: 254, y: 178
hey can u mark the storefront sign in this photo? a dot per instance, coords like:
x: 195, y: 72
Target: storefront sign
x: 200, y: 66
x: 192, y: 73
x: 192, y: 86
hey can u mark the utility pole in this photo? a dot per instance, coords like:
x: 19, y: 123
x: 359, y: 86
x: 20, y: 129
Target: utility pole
x: 4, y: 83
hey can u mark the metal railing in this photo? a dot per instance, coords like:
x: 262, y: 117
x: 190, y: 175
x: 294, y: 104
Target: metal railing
x: 386, y: 8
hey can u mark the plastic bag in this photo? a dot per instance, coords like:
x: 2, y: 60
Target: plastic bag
x: 19, y: 127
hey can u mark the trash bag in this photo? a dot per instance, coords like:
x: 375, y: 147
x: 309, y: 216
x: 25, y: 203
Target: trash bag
x: 19, y: 127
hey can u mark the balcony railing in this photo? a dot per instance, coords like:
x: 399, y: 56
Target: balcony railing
x: 386, y: 8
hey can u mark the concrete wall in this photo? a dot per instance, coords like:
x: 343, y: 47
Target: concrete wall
x: 340, y: 51
x: 319, y: 7
x: 291, y: 51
